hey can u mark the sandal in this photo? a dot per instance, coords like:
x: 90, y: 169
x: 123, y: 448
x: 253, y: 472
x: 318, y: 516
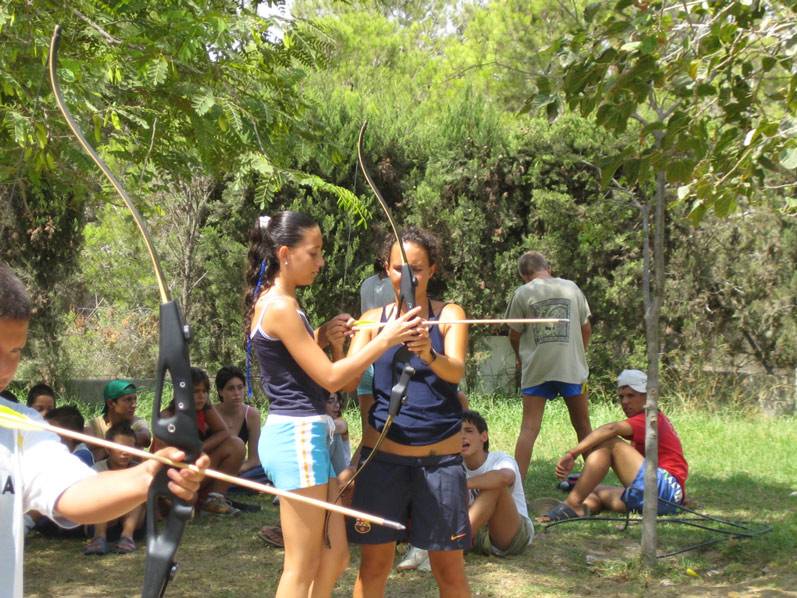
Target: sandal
x: 244, y: 507
x: 98, y: 545
x: 125, y: 545
x: 561, y: 512
x: 272, y: 535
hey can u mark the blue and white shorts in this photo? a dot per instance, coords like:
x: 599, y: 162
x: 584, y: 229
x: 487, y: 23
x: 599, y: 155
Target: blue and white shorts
x: 366, y: 384
x: 294, y: 451
x: 669, y: 489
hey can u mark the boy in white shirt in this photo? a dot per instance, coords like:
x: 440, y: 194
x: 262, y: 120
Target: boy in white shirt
x: 38, y: 472
x: 499, y: 517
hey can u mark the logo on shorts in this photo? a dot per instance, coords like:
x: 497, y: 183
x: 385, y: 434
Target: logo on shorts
x: 455, y: 537
x: 361, y: 526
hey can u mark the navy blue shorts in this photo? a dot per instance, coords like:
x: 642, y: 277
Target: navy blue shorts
x: 553, y: 388
x: 427, y: 494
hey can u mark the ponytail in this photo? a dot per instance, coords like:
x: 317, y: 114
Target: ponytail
x: 262, y: 264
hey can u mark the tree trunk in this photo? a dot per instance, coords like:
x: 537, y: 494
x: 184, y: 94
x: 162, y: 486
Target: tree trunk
x: 652, y: 315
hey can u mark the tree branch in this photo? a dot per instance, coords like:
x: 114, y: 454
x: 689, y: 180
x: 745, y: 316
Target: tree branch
x: 108, y: 37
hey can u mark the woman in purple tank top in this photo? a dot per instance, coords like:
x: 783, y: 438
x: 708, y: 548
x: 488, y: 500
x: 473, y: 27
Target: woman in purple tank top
x: 285, y: 252
x: 416, y: 477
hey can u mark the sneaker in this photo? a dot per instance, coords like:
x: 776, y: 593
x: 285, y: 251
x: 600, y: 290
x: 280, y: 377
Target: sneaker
x: 425, y: 565
x: 218, y: 504
x: 415, y: 558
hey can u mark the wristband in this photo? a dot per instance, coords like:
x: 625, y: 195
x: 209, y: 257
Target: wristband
x: 433, y: 353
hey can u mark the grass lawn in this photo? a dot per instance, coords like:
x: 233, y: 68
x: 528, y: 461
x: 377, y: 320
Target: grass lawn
x: 741, y: 468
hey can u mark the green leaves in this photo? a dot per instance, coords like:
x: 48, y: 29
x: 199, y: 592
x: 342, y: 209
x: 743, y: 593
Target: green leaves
x: 203, y: 102
x: 157, y: 71
x: 788, y: 158
x: 685, y: 84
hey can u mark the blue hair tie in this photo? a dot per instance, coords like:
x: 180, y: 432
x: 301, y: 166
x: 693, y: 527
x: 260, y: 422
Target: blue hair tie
x: 255, y: 293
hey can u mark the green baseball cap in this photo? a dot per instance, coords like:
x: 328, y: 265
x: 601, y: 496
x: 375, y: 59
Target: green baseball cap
x: 118, y: 388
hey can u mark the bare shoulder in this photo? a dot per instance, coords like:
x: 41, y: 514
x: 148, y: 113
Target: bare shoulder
x: 252, y: 413
x: 274, y: 310
x: 448, y: 311
x: 278, y: 303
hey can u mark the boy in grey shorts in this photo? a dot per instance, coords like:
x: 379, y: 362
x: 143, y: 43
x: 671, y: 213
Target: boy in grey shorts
x: 499, y: 517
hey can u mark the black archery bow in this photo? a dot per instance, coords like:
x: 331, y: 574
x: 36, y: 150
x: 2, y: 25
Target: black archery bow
x: 406, y: 297
x: 178, y: 430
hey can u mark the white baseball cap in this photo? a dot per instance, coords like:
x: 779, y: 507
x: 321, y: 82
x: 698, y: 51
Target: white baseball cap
x: 635, y: 379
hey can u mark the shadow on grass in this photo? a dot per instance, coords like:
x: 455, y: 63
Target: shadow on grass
x: 223, y: 557
x: 612, y: 551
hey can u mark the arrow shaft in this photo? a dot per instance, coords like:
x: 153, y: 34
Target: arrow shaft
x: 211, y: 473
x: 373, y: 325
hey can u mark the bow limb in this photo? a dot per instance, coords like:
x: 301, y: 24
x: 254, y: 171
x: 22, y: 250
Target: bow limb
x: 117, y: 185
x: 179, y: 430
x: 406, y: 297
x: 408, y: 280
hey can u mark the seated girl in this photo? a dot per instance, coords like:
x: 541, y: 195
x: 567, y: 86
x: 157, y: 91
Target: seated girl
x: 242, y: 420
x: 226, y: 451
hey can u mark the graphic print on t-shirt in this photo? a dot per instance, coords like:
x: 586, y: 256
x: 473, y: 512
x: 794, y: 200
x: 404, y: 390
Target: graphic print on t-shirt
x: 551, y: 333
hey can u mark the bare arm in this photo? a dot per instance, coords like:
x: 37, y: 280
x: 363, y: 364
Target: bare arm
x: 333, y: 334
x: 283, y: 322
x: 218, y: 430
x: 498, y: 478
x: 359, y: 341
x: 450, y: 366
x: 586, y: 333
x: 253, y: 427
x: 514, y: 340
x: 596, y: 437
x: 111, y: 494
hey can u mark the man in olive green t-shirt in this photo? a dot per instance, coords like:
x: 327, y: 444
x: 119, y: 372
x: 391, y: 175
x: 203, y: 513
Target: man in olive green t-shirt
x: 552, y: 356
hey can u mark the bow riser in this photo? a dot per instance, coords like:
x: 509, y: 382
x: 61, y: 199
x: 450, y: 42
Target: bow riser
x: 178, y: 430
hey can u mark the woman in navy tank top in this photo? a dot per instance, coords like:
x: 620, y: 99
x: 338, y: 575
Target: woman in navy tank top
x: 285, y: 252
x: 416, y: 477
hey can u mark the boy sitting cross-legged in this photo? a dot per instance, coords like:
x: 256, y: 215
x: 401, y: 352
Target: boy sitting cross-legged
x: 499, y: 517
x: 607, y: 448
x: 127, y: 524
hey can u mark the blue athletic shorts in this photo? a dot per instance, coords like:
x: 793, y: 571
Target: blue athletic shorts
x: 669, y: 489
x: 552, y: 389
x: 427, y: 494
x: 294, y: 451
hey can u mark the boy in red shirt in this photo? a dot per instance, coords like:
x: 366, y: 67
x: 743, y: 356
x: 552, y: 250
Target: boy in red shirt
x: 606, y: 448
